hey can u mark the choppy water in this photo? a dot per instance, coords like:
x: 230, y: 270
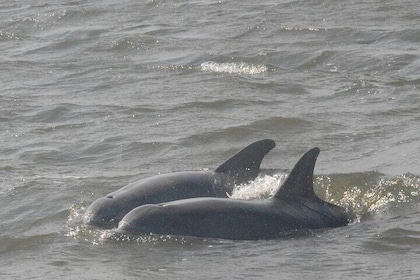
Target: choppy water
x: 95, y: 95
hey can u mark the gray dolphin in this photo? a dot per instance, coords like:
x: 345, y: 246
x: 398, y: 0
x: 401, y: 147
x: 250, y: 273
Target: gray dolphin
x: 242, y: 167
x: 294, y: 206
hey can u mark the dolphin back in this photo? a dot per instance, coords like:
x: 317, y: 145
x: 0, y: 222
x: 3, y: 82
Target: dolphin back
x: 244, y: 166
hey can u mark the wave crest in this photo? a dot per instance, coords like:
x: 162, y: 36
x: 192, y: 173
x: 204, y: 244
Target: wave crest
x: 233, y: 68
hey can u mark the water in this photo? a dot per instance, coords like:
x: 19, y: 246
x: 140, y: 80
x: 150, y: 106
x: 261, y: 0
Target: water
x: 95, y: 95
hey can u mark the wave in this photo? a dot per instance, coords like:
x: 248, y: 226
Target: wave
x: 239, y: 68
x: 233, y: 68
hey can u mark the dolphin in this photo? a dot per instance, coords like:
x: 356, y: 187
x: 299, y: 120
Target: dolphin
x: 242, y: 167
x: 293, y: 207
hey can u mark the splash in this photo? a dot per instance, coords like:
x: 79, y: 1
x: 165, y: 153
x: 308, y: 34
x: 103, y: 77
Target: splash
x: 262, y: 187
x: 370, y: 196
x: 113, y: 236
x: 233, y: 68
x: 76, y: 228
x: 365, y: 194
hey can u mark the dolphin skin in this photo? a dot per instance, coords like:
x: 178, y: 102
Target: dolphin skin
x: 242, y: 167
x: 294, y: 206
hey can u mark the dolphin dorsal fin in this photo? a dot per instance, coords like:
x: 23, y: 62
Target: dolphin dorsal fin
x: 299, y: 183
x: 244, y: 166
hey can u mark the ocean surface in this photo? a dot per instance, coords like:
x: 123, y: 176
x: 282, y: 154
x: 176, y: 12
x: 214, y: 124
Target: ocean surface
x: 97, y: 94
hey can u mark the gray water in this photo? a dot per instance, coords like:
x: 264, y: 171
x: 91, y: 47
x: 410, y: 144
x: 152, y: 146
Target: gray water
x: 97, y: 94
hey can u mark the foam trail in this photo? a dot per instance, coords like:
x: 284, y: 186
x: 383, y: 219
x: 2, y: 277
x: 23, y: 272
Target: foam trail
x: 233, y: 68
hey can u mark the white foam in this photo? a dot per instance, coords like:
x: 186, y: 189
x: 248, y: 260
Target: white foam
x: 260, y: 188
x: 233, y: 68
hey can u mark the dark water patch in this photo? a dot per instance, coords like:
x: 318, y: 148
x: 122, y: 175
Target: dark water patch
x: 53, y: 113
x: 402, y: 81
x: 398, y: 234
x: 59, y: 263
x: 392, y: 40
x: 218, y: 105
x: 58, y: 153
x: 400, y: 238
x: 349, y: 36
x: 145, y: 43
x: 64, y: 127
x: 308, y: 61
x: 143, y: 149
x: 13, y: 245
x: 281, y: 123
x: 261, y: 126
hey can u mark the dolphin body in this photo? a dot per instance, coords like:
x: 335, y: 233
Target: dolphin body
x: 242, y: 167
x: 294, y: 206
